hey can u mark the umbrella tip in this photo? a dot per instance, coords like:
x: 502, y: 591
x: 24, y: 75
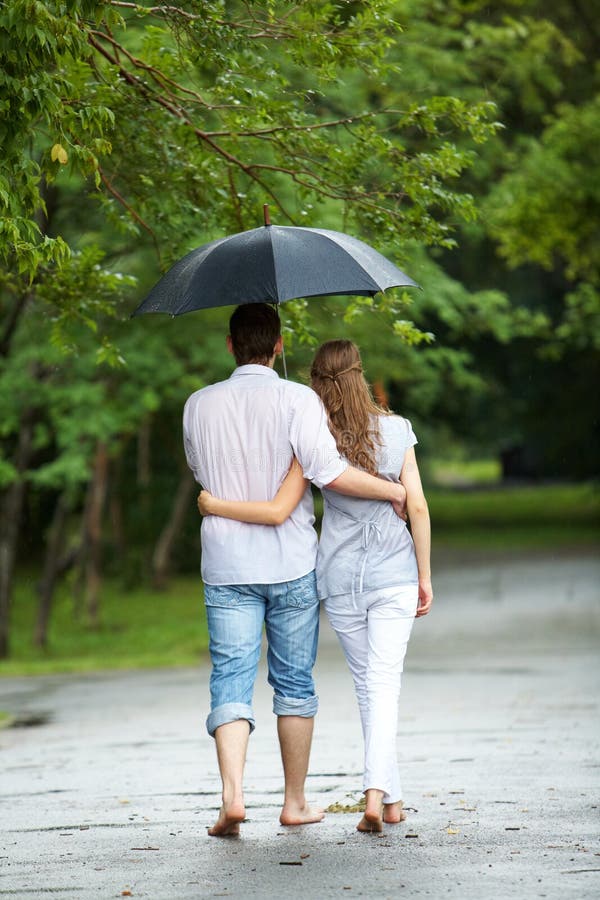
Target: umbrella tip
x: 266, y: 214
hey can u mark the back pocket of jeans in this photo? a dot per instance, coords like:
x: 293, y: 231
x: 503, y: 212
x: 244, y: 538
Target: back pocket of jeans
x: 303, y: 592
x: 220, y: 595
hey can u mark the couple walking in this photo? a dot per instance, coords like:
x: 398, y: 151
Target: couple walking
x: 256, y: 443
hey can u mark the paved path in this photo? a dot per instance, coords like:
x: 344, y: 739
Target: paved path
x: 499, y: 740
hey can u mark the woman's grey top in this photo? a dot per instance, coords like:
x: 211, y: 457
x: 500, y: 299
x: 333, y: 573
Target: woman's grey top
x: 364, y: 545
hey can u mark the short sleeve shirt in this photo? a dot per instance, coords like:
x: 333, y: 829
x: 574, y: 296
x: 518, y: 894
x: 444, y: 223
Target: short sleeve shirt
x: 240, y: 436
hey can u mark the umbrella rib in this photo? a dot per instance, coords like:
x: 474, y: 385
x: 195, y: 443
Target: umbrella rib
x: 209, y: 250
x: 276, y: 298
x: 340, y: 243
x: 324, y: 234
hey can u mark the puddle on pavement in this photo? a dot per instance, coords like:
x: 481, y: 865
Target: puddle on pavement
x: 22, y: 794
x: 30, y: 719
x: 18, y: 892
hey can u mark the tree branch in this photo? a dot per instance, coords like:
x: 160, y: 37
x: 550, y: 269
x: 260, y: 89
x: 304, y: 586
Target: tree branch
x: 115, y: 193
x: 235, y: 200
x: 268, y: 31
x: 306, y: 177
x: 180, y: 114
x: 13, y: 320
x: 158, y: 76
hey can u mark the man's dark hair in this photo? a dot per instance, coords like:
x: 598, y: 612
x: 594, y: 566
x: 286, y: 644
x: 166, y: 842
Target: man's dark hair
x: 254, y: 330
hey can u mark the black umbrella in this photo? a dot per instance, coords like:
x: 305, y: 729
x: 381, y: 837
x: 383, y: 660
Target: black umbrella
x: 272, y: 264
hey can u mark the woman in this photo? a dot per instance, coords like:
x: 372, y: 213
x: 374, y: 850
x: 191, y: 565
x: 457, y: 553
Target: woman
x: 373, y: 577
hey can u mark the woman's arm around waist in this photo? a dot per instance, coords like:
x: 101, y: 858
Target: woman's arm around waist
x: 259, y: 512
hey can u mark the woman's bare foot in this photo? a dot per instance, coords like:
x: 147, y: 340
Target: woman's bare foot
x: 301, y: 815
x: 393, y: 813
x: 228, y: 823
x: 372, y: 819
x: 371, y: 822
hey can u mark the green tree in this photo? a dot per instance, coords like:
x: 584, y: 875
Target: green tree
x: 131, y: 133
x: 530, y: 353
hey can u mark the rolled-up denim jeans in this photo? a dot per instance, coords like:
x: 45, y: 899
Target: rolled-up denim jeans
x: 236, y: 613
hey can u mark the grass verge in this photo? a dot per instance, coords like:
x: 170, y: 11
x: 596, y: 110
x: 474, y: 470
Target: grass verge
x: 139, y: 628
x: 551, y: 517
x: 142, y: 628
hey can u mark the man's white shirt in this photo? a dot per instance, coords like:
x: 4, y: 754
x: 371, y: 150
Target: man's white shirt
x: 240, y: 436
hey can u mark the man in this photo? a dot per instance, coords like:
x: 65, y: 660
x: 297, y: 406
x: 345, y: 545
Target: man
x: 240, y: 437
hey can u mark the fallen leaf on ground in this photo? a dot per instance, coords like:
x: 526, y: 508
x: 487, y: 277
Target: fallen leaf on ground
x: 452, y: 831
x: 357, y: 806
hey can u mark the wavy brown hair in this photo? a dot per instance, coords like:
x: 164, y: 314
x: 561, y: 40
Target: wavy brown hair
x: 337, y: 377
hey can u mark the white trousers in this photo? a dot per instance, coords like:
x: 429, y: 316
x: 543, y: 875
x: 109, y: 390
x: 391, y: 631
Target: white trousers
x: 373, y: 628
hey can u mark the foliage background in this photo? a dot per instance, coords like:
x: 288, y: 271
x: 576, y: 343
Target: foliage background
x: 459, y: 138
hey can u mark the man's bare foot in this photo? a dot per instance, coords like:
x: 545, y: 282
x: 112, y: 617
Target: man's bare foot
x: 301, y: 815
x: 228, y: 823
x: 393, y: 813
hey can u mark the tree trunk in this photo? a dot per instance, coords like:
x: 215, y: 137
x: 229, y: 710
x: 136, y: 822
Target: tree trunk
x: 95, y: 508
x: 117, y: 518
x: 144, y: 477
x: 81, y: 563
x: 12, y: 498
x: 161, y: 558
x: 54, y: 565
x: 144, y: 473
x: 12, y: 322
x: 11, y: 510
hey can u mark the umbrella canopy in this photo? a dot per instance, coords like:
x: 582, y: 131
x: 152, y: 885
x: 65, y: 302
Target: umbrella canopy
x: 272, y: 264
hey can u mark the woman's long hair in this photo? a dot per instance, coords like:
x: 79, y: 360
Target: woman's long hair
x: 337, y: 377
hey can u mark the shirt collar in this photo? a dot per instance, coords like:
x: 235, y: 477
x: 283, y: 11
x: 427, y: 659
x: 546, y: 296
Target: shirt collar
x: 254, y: 369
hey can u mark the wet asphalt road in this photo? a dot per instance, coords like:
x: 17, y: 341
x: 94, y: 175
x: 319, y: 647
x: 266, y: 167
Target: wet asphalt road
x: 499, y: 738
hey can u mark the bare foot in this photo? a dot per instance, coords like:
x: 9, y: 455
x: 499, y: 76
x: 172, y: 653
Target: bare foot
x: 393, y: 813
x: 301, y: 815
x: 371, y: 821
x: 228, y: 823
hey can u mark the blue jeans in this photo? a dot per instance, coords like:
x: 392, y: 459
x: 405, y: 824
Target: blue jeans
x: 236, y: 614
